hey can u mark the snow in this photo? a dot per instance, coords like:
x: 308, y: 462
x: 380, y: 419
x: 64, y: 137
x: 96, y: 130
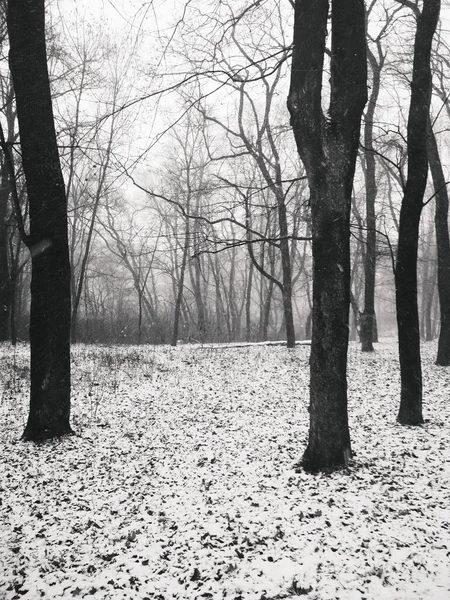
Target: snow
x: 181, y: 482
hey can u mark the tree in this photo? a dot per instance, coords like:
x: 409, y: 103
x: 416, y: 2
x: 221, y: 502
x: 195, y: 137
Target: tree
x: 442, y: 246
x: 440, y: 66
x: 410, y: 412
x: 254, y: 38
x: 6, y: 94
x: 47, y: 240
x: 129, y: 240
x: 427, y: 278
x: 5, y: 275
x: 328, y: 148
x: 376, y: 61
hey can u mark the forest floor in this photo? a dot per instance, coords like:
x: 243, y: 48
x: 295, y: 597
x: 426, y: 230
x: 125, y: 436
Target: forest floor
x: 181, y: 481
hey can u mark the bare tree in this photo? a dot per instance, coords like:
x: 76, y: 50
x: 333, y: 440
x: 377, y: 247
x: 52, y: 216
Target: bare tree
x: 6, y: 142
x: 410, y: 412
x: 47, y: 241
x: 377, y: 57
x: 8, y: 109
x: 129, y: 240
x: 442, y: 246
x: 328, y: 148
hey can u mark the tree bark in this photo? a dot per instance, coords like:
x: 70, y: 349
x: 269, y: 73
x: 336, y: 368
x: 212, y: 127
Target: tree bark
x: 286, y: 291
x: 5, y: 276
x: 248, y: 303
x: 180, y: 286
x: 428, y: 293
x: 410, y: 412
x: 443, y: 247
x: 49, y: 414
x: 328, y: 148
x: 6, y: 283
x: 367, y: 318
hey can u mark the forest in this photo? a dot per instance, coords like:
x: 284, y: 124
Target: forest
x: 225, y: 298
x: 183, y: 179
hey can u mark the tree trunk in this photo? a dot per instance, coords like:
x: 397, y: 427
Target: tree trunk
x: 6, y: 283
x: 5, y: 276
x: 265, y: 312
x: 180, y: 288
x: 248, y: 303
x: 328, y: 148
x: 49, y: 414
x: 428, y: 299
x: 286, y: 292
x: 16, y: 285
x: 367, y: 318
x: 410, y: 412
x: 442, y: 246
x: 355, y: 328
x: 428, y: 283
x: 286, y: 270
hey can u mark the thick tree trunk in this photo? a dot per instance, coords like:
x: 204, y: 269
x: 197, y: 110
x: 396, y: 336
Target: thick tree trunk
x: 329, y: 437
x: 408, y: 318
x: 443, y: 247
x: 410, y: 412
x: 49, y: 414
x: 328, y: 148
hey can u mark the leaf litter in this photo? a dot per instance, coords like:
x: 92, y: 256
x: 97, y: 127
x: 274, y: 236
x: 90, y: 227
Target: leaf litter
x: 181, y: 481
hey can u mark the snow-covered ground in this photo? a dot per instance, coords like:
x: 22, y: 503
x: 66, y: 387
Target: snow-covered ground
x: 181, y: 481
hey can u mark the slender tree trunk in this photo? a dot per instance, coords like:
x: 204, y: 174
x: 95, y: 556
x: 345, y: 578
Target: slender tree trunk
x: 286, y: 292
x: 367, y: 318
x: 428, y: 293
x: 6, y: 282
x: 410, y: 412
x: 286, y: 270
x: 5, y: 276
x: 355, y: 331
x: 265, y: 315
x: 428, y: 283
x: 139, y: 336
x: 248, y: 303
x: 442, y: 247
x: 49, y: 414
x: 180, y: 287
x: 221, y: 322
x: 83, y: 270
x: 197, y: 287
x: 16, y: 286
x: 328, y: 148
